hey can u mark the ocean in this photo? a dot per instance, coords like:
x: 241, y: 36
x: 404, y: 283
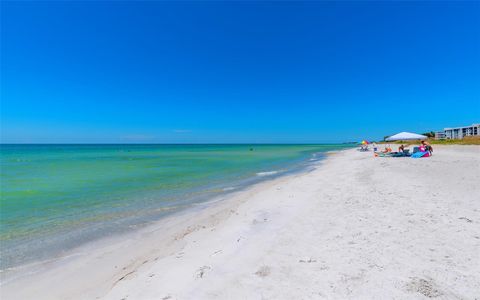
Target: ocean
x: 56, y: 197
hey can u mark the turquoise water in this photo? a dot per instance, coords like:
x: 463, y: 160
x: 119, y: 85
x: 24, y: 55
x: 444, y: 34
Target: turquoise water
x: 55, y: 197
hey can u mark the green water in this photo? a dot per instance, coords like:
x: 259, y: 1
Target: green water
x: 55, y: 197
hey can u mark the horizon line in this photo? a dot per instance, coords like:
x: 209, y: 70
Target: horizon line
x: 255, y: 143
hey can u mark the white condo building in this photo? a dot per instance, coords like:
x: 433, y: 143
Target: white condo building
x: 458, y: 132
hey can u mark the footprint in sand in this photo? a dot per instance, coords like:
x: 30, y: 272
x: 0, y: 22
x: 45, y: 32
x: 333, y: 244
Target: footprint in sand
x: 202, y: 271
x: 263, y: 271
x: 255, y: 221
x: 424, y: 287
x: 307, y: 260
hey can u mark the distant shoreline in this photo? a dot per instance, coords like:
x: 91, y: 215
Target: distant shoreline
x: 180, y: 144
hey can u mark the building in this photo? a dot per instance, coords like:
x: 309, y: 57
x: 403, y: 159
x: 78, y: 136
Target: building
x: 440, y: 135
x: 459, y: 132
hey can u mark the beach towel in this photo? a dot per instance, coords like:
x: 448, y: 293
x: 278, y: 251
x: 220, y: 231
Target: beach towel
x: 391, y: 154
x: 420, y: 154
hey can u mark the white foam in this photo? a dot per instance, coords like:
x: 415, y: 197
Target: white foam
x: 267, y: 173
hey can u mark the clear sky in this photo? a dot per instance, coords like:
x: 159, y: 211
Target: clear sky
x: 190, y: 72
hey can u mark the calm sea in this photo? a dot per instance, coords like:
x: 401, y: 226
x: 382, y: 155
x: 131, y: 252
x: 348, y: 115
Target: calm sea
x: 55, y: 197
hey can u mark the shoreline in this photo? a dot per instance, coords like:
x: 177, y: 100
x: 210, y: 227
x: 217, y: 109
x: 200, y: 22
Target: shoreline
x: 170, y: 221
x: 339, y: 230
x: 106, y: 220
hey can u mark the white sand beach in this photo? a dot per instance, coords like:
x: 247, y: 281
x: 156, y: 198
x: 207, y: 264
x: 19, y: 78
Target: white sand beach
x: 356, y: 227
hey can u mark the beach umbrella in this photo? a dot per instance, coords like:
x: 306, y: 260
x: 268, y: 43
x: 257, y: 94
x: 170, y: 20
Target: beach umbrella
x: 364, y: 142
x: 405, y: 136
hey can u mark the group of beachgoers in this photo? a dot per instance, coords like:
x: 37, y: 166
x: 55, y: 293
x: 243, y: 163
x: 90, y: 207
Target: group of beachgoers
x: 424, y: 150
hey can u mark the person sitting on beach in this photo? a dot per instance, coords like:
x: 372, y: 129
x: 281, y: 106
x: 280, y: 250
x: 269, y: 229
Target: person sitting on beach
x: 401, y: 148
x: 387, y: 149
x: 426, y: 147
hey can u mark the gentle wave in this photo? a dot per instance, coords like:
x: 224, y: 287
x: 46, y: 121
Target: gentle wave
x: 268, y: 173
x: 230, y: 188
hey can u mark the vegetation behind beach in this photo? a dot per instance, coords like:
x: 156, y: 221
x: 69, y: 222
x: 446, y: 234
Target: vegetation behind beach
x: 469, y: 140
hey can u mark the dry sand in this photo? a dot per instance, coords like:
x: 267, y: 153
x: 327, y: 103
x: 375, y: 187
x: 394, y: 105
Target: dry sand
x: 356, y: 227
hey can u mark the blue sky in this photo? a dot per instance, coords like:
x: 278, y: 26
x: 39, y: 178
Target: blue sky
x: 193, y: 72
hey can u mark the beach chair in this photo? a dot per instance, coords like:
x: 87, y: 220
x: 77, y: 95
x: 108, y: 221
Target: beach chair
x: 363, y: 148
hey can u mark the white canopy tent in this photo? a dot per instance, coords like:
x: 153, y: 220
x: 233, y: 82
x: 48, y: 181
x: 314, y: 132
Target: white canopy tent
x: 405, y: 136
